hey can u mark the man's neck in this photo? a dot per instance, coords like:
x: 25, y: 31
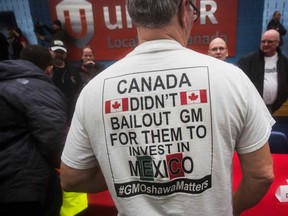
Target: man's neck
x: 268, y: 55
x: 172, y: 32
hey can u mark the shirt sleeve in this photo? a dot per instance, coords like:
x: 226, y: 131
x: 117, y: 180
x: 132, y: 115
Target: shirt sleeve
x: 258, y: 121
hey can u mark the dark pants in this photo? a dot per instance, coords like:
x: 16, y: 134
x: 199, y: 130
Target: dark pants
x: 54, y: 196
x: 21, y: 208
x: 52, y: 206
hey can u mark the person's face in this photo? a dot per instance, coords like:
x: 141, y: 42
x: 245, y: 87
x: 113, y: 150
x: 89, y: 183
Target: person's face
x: 277, y: 16
x: 269, y: 44
x: 87, y: 55
x: 58, y: 56
x: 218, y: 49
x: 55, y: 27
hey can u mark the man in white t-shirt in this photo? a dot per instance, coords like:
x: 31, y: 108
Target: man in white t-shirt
x: 267, y: 68
x: 160, y: 127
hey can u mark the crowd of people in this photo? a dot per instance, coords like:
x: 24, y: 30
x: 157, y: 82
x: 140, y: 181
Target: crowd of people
x: 72, y: 127
x: 39, y: 88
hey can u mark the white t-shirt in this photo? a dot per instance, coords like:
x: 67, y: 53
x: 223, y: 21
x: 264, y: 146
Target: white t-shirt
x: 270, y: 80
x: 163, y: 124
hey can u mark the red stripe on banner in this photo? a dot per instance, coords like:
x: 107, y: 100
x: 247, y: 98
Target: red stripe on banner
x: 125, y: 104
x: 203, y: 96
x: 183, y: 98
x: 108, y: 107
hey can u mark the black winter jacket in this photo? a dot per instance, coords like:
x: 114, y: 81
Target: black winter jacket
x: 32, y: 131
x: 253, y: 65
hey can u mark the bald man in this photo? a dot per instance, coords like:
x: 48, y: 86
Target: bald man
x: 267, y: 68
x: 218, y: 49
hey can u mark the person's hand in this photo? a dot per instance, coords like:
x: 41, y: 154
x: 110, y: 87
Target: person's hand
x: 89, y: 64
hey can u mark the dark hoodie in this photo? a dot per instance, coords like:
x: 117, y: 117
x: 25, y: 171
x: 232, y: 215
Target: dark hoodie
x: 32, y: 131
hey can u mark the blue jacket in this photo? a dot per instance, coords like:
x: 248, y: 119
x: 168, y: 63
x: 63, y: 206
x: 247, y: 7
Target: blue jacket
x: 32, y: 131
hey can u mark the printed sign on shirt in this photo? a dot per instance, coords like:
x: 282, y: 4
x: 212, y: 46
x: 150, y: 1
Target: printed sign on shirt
x: 158, y: 132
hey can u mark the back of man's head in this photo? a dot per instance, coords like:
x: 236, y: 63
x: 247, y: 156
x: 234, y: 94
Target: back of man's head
x: 38, y: 55
x: 152, y: 14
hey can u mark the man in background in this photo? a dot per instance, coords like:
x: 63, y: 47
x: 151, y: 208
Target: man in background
x: 267, y: 68
x: 17, y: 41
x: 88, y: 67
x: 218, y: 49
x: 56, y: 32
x: 162, y: 125
x: 65, y: 76
x: 32, y: 134
x: 276, y: 24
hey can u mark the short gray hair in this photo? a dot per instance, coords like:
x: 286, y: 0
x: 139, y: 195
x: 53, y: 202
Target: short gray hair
x: 152, y: 13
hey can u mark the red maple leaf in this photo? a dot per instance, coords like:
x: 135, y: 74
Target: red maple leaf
x: 116, y: 105
x: 193, y: 97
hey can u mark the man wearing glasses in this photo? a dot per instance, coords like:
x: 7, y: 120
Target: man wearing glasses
x: 162, y: 125
x: 267, y: 68
x: 218, y: 49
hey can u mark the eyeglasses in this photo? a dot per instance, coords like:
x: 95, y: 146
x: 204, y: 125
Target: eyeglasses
x: 195, y: 9
x: 268, y: 41
x: 215, y: 49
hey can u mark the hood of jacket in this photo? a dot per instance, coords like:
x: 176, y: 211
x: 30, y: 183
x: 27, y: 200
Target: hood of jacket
x: 14, y: 69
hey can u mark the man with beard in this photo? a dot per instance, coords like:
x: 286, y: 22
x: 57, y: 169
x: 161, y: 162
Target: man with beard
x: 65, y: 76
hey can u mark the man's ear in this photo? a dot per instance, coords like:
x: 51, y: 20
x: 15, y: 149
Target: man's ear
x: 183, y: 13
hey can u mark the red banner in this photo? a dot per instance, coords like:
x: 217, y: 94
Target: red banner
x: 107, y: 26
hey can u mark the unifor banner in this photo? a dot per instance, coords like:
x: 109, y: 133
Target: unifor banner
x: 107, y: 26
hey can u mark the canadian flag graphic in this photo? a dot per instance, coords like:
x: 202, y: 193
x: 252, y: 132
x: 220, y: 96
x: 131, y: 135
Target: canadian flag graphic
x: 193, y: 97
x: 116, y: 105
